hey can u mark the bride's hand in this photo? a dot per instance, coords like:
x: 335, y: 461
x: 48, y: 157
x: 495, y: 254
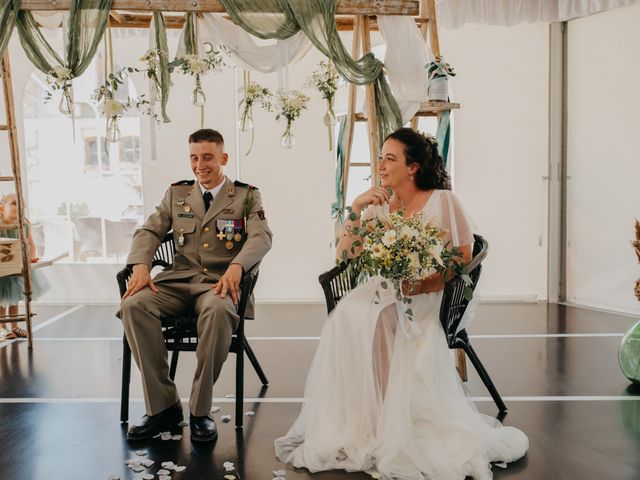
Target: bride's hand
x: 412, y: 288
x: 373, y: 196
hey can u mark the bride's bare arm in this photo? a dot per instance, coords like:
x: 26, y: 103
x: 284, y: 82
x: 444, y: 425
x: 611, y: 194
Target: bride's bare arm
x: 436, y: 282
x: 373, y: 196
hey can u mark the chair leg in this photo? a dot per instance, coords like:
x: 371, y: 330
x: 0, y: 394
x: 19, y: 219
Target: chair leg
x: 174, y: 364
x: 254, y: 361
x: 240, y: 373
x: 484, y: 376
x: 461, y: 364
x: 126, y: 380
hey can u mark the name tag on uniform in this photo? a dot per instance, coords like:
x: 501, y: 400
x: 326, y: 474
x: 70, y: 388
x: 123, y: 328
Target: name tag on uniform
x: 185, y: 215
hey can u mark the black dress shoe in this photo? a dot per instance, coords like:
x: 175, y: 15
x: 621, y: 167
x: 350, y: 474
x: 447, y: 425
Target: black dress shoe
x: 203, y: 429
x: 152, y: 425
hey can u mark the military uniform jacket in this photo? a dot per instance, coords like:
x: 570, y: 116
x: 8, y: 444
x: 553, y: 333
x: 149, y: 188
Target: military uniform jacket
x: 202, y: 239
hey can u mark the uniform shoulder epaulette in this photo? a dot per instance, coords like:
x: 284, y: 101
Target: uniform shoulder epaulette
x: 184, y: 182
x: 245, y: 185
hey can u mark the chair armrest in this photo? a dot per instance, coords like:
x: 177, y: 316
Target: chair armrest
x: 247, y: 284
x: 123, y: 277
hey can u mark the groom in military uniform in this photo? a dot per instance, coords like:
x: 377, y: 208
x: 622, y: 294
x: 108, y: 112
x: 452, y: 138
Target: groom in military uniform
x: 220, y: 231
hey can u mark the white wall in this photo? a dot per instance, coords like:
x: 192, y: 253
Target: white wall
x: 603, y: 159
x: 501, y: 149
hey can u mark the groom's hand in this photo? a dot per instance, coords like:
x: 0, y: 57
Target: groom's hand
x: 229, y: 283
x: 140, y: 278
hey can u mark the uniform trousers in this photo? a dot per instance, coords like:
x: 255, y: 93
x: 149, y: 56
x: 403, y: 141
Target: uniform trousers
x: 217, y: 320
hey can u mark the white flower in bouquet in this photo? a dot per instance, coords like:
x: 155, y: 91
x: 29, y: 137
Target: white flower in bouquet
x: 389, y: 238
x: 149, y: 55
x: 196, y: 64
x: 113, y: 107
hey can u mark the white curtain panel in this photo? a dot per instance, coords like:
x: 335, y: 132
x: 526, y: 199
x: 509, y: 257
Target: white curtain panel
x: 244, y: 48
x: 456, y: 13
x: 405, y: 59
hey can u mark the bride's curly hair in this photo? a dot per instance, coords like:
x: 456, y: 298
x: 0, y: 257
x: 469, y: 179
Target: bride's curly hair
x: 422, y: 150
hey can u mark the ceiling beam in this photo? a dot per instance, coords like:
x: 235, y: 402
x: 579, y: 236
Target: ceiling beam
x: 343, y: 7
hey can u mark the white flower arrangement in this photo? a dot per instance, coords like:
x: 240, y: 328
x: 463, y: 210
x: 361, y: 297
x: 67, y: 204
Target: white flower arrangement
x: 289, y: 105
x: 59, y: 78
x: 404, y: 251
x: 112, y: 108
x: 325, y: 80
x: 252, y: 94
x: 197, y: 66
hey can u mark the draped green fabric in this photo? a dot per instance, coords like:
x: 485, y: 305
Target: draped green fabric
x: 316, y: 18
x: 190, y: 34
x: 163, y: 62
x: 443, y: 135
x: 8, y: 15
x: 87, y: 23
x: 337, y: 207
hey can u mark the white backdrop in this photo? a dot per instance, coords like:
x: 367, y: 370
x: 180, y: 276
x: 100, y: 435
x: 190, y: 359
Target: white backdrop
x: 603, y: 159
x: 501, y: 150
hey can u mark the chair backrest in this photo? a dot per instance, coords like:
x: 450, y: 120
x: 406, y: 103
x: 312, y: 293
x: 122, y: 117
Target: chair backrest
x: 336, y: 283
x: 454, y: 303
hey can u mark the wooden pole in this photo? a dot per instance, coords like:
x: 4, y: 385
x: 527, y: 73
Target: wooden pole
x: 351, y: 115
x: 15, y: 166
x: 372, y: 117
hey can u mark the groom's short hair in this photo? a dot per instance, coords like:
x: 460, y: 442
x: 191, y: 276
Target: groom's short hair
x: 206, y: 135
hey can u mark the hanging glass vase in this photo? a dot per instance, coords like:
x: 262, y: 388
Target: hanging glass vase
x: 198, y: 98
x: 329, y: 118
x: 287, y: 140
x: 113, y: 130
x: 66, y: 106
x: 245, y: 124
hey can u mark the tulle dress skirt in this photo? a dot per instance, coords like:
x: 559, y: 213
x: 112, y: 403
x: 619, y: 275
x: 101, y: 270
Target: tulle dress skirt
x: 379, y: 402
x: 12, y: 288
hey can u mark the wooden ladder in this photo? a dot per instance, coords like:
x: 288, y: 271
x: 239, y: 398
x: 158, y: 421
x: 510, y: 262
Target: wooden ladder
x: 362, y: 36
x: 10, y: 128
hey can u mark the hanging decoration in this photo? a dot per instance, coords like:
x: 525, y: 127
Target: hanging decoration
x: 439, y: 72
x: 289, y: 105
x: 87, y: 21
x: 190, y: 61
x: 325, y: 80
x: 252, y: 94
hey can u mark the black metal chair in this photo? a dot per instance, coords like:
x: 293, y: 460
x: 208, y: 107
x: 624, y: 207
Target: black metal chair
x: 180, y: 333
x: 454, y: 304
x: 339, y: 281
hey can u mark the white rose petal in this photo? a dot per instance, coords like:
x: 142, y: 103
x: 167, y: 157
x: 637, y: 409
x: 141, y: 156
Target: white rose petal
x: 279, y: 473
x: 163, y: 471
x: 180, y: 468
x: 226, y: 418
x: 250, y: 413
x: 215, y: 409
x: 229, y: 395
x: 148, y: 476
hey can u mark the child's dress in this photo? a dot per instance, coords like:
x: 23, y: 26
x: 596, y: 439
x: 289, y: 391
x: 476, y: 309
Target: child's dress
x: 12, y: 287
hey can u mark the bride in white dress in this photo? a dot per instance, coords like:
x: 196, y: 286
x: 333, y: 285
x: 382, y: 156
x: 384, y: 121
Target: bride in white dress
x: 378, y: 401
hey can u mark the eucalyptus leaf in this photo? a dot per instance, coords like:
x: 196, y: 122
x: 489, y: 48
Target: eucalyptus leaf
x: 468, y: 293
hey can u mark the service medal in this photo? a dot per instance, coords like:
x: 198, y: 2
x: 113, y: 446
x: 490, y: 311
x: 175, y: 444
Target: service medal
x: 237, y: 237
x: 228, y: 245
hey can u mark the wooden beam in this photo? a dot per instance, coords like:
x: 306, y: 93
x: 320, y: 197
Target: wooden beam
x: 343, y: 7
x: 142, y: 20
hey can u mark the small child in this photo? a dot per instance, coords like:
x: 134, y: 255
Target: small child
x: 11, y: 288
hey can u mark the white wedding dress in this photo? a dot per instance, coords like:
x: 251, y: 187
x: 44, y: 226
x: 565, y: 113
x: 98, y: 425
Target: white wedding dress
x: 422, y: 426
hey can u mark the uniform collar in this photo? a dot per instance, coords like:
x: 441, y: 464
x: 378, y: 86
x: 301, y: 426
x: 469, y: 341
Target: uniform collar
x: 215, y: 190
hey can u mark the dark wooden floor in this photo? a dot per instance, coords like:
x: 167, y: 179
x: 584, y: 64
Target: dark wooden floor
x: 556, y: 367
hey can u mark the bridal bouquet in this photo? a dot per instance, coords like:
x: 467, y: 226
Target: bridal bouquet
x: 403, y: 250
